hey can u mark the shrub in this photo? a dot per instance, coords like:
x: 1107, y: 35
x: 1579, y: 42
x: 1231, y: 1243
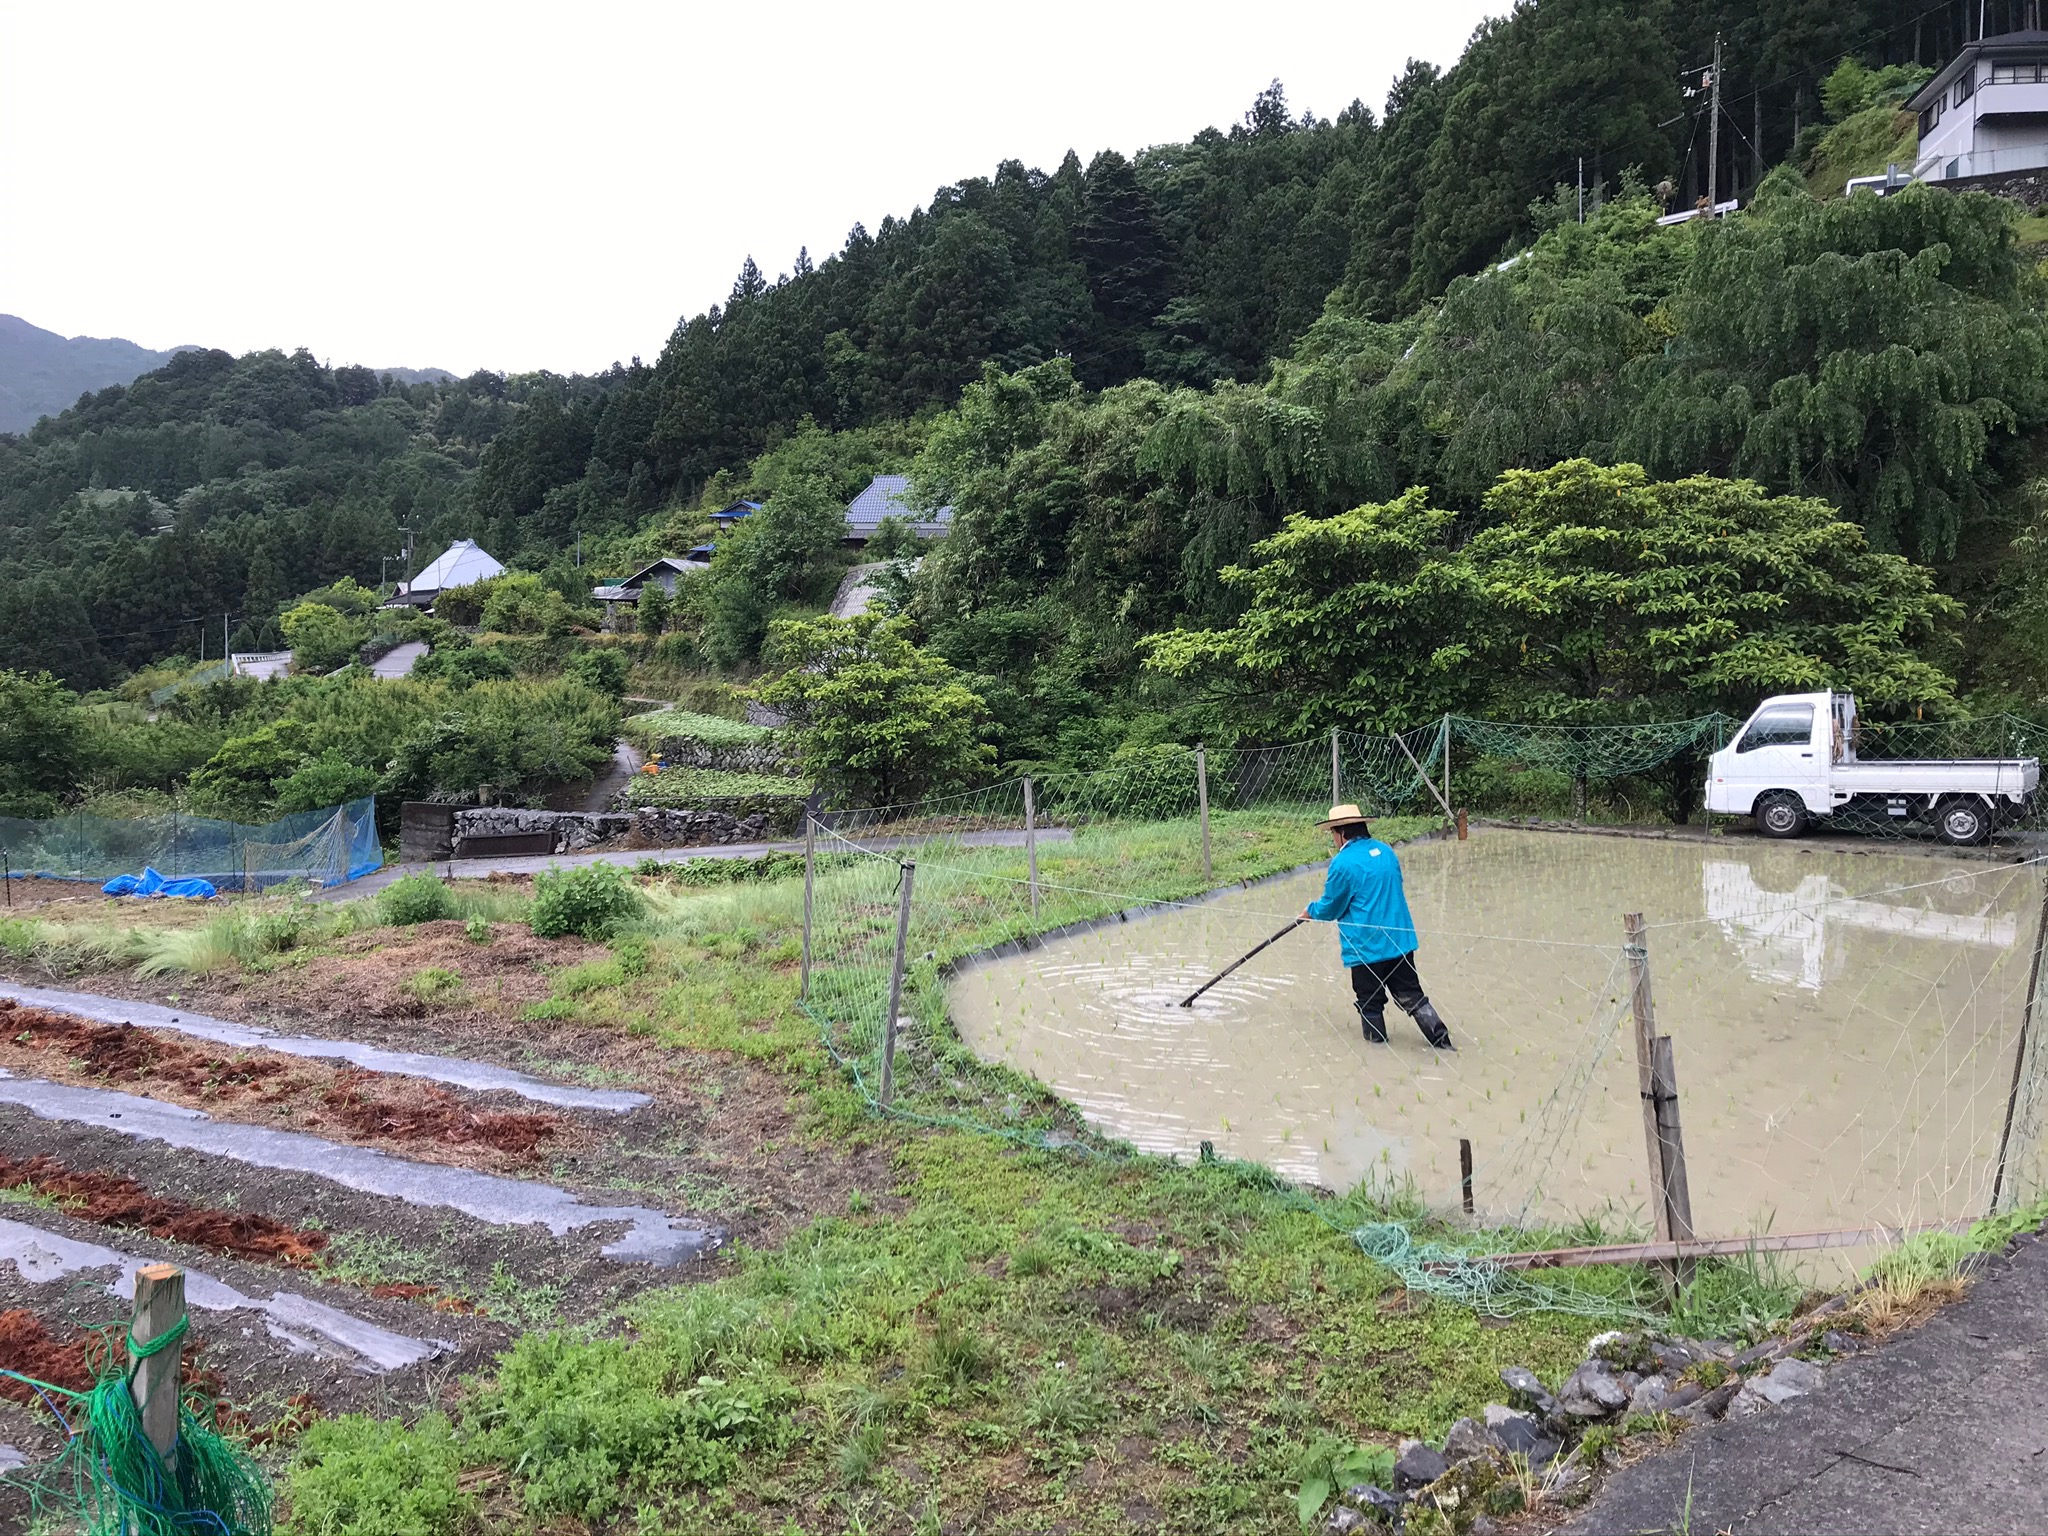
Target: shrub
x: 415, y: 899
x: 604, y: 670
x: 361, y: 1476
x: 591, y: 901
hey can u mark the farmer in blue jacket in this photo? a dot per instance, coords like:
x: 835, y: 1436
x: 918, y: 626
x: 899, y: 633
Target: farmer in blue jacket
x: 1362, y: 895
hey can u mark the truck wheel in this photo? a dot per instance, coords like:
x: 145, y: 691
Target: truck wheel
x: 1963, y: 823
x: 1780, y: 813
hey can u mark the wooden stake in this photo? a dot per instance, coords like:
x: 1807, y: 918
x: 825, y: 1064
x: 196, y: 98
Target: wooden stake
x: 888, y: 1093
x: 1463, y: 834
x: 154, y: 1384
x: 1465, y: 1173
x: 810, y: 871
x: 1031, y: 841
x: 1202, y: 795
x: 1671, y: 1152
x: 1636, y: 948
x: 2023, y: 1055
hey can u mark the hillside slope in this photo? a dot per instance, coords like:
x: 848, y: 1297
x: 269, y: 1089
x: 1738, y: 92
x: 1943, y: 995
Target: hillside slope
x: 42, y: 373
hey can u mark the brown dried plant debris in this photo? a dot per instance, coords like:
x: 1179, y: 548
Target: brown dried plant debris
x: 114, y: 1201
x: 435, y: 1115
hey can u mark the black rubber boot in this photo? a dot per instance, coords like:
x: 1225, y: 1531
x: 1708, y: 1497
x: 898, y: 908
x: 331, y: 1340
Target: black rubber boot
x: 1434, y: 1030
x: 1375, y: 1022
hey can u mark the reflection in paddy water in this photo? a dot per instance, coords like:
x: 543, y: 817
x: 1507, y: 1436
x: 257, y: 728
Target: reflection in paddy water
x: 1844, y: 1043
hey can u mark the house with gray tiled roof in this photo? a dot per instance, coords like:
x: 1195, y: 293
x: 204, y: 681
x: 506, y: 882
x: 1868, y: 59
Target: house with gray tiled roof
x: 884, y: 497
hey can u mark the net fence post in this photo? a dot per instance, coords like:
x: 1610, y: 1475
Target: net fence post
x: 887, y: 1094
x: 2025, y: 1073
x: 1671, y: 1152
x: 1202, y: 797
x: 1447, y: 767
x: 1031, y: 841
x: 1636, y: 947
x: 810, y: 873
x: 154, y: 1382
x: 1336, y: 769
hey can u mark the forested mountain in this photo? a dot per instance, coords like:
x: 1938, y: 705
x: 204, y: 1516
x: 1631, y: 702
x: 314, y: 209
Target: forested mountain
x: 1163, y: 354
x: 41, y: 372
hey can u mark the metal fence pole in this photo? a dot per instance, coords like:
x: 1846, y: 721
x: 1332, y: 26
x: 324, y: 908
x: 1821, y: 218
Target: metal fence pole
x: 1336, y: 770
x: 810, y: 863
x: 1202, y: 796
x: 2003, y: 1192
x: 888, y: 1087
x: 1031, y: 841
x: 1447, y: 755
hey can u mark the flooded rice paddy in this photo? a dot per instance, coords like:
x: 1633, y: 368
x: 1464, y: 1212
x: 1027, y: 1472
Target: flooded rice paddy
x: 1844, y: 1028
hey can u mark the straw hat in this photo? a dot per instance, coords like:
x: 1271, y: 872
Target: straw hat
x: 1343, y: 816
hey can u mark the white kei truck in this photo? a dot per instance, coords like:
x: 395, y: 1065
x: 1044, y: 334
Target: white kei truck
x: 1794, y: 761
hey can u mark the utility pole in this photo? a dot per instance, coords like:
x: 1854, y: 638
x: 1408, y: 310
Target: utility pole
x: 1714, y: 135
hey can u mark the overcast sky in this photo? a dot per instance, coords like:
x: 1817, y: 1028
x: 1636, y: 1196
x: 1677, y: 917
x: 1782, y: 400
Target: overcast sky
x: 518, y: 186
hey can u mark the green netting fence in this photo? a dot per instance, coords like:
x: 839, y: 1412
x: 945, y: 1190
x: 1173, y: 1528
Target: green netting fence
x: 324, y: 847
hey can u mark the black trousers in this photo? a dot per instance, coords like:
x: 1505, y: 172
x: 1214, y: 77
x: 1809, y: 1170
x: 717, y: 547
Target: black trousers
x: 1374, y: 980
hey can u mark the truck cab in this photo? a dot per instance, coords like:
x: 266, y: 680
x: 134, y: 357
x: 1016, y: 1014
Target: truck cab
x: 1794, y: 761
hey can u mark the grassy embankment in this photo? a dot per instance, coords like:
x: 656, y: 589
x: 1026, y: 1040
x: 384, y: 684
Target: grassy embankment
x: 1007, y: 1339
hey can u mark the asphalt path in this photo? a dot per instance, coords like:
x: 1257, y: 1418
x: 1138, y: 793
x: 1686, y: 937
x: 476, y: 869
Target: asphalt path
x: 1940, y: 1432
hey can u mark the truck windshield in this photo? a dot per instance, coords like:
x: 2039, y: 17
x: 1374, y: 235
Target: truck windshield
x: 1782, y: 725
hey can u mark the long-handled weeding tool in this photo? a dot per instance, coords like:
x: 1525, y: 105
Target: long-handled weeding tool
x: 1189, y: 1000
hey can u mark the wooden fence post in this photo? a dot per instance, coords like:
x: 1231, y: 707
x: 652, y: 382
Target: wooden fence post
x: 1636, y: 948
x: 1202, y: 795
x: 1336, y: 770
x: 1465, y: 1173
x: 154, y: 1382
x: 1671, y: 1152
x: 810, y: 863
x: 1031, y: 841
x: 888, y: 1092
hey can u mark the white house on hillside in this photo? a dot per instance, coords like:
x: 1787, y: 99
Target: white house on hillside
x: 461, y: 564
x: 1987, y: 111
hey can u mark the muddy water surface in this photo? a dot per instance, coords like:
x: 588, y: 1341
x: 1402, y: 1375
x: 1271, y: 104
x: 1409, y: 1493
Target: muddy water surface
x: 1843, y: 1024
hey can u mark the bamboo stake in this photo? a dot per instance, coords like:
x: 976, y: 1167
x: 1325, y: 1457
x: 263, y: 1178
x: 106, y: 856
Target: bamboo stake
x: 1031, y: 841
x: 888, y: 1093
x: 154, y: 1382
x: 1706, y: 1248
x: 1416, y: 763
x: 1202, y: 793
x: 810, y: 875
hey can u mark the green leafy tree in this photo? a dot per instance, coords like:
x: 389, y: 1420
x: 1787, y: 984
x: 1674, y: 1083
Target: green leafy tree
x: 42, y: 743
x: 603, y: 669
x: 1592, y: 593
x: 654, y: 610
x: 321, y: 638
x: 873, y: 715
x: 786, y: 551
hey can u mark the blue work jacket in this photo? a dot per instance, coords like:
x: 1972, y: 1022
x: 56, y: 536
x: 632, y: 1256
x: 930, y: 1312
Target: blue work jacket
x: 1362, y: 895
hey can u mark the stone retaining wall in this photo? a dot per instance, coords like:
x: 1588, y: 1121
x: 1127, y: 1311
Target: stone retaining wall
x: 651, y: 827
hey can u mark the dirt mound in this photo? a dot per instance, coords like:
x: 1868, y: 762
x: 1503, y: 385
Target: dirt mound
x: 114, y: 1201
x: 27, y: 1347
x: 434, y: 1114
x: 125, y: 1053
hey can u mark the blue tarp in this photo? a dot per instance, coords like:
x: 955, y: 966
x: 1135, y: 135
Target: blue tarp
x: 150, y: 883
x: 324, y: 847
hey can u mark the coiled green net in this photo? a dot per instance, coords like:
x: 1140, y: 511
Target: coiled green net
x: 110, y: 1479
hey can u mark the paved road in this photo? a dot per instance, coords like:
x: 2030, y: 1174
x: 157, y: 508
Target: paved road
x: 480, y: 869
x: 397, y: 662
x: 1942, y: 1431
